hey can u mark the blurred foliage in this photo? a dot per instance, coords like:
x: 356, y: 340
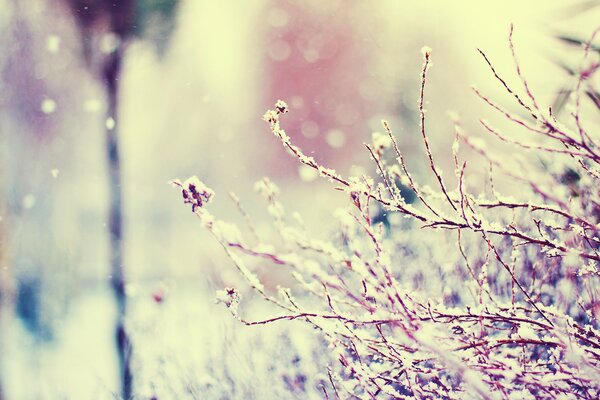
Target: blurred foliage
x: 153, y: 20
x: 573, y: 10
x: 572, y: 40
x: 562, y: 96
x: 564, y: 93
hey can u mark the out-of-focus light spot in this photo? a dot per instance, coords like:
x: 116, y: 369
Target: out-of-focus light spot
x: 110, y: 123
x: 311, y: 55
x: 92, y: 105
x: 280, y: 50
x: 309, y: 129
x: 54, y: 172
x: 28, y: 201
x: 53, y: 43
x: 48, y: 106
x: 278, y: 18
x: 205, y: 98
x: 336, y: 138
x: 131, y: 290
x: 346, y: 114
x: 297, y: 102
x: 307, y: 174
x: 357, y: 170
x: 109, y: 43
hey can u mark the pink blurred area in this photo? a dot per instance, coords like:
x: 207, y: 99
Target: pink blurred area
x: 195, y: 108
x: 313, y: 61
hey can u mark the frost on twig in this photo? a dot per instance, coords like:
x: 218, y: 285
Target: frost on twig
x: 494, y: 296
x: 231, y: 298
x: 194, y: 192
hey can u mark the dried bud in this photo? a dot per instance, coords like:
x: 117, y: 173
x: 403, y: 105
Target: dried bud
x: 195, y: 192
x: 281, y: 107
x: 426, y: 51
x: 230, y: 297
x: 271, y: 116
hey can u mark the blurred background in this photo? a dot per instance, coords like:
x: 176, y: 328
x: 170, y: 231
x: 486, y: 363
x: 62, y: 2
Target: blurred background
x: 106, y: 279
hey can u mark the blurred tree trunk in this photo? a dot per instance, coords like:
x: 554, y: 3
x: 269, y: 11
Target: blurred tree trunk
x: 111, y: 73
x: 118, y: 21
x: 99, y: 21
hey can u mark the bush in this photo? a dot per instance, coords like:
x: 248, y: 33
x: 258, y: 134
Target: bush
x: 465, y: 293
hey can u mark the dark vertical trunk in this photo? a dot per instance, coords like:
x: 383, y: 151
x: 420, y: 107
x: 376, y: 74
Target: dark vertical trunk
x: 111, y: 75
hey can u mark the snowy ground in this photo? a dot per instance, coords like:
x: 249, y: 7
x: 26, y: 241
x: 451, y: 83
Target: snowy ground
x: 184, y: 347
